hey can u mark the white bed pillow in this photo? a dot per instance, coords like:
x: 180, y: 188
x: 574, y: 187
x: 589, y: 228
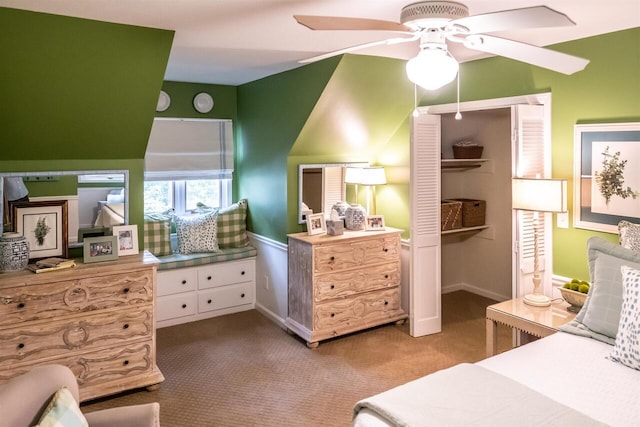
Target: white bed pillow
x: 627, y: 348
x: 629, y: 235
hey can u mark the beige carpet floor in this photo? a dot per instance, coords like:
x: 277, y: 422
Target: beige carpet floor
x: 243, y: 370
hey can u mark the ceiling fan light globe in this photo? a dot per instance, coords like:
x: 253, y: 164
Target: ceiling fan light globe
x: 432, y: 69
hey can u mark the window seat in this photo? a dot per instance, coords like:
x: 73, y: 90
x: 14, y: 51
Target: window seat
x: 173, y: 261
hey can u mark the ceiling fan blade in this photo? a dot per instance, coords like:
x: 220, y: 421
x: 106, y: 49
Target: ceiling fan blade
x: 542, y: 57
x: 339, y: 23
x: 396, y: 40
x: 528, y: 17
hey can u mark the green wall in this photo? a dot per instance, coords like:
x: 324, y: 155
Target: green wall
x: 78, y: 94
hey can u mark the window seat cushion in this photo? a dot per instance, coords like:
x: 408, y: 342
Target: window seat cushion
x: 176, y: 260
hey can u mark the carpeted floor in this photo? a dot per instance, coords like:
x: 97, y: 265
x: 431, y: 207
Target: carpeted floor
x: 243, y: 370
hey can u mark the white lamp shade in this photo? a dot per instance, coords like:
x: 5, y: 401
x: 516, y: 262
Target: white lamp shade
x: 432, y: 68
x: 373, y: 176
x: 540, y: 195
x: 352, y: 175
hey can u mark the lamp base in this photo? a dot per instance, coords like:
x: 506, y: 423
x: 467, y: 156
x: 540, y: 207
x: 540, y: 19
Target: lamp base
x: 538, y: 300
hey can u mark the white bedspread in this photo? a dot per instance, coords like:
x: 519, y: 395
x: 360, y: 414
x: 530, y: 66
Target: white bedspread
x: 570, y: 370
x: 111, y: 214
x: 470, y: 395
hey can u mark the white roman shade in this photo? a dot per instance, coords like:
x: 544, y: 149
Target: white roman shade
x: 189, y: 149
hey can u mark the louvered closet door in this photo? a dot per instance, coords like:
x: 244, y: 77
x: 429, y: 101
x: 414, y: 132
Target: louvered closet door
x: 424, y: 299
x: 532, y: 157
x: 332, y: 188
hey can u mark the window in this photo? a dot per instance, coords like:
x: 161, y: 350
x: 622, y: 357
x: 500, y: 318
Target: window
x: 186, y: 195
x: 188, y: 164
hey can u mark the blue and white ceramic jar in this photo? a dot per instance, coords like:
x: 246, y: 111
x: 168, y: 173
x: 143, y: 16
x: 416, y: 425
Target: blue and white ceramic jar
x: 340, y: 209
x: 354, y: 217
x: 14, y: 252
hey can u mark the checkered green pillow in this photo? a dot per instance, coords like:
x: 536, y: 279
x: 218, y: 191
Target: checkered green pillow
x: 157, y: 238
x: 232, y: 225
x: 62, y: 411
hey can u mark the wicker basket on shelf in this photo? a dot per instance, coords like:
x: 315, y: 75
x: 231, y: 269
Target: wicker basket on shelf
x: 450, y: 215
x: 467, y: 151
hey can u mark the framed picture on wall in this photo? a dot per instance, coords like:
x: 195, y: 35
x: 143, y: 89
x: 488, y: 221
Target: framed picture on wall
x: 316, y: 224
x: 44, y: 225
x: 127, y: 239
x: 606, y: 177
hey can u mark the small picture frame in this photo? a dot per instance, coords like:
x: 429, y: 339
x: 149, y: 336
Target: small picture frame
x: 102, y: 248
x: 316, y: 224
x: 127, y: 239
x: 374, y: 223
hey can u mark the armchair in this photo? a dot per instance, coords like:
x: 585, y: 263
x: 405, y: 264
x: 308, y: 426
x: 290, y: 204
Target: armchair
x: 24, y: 398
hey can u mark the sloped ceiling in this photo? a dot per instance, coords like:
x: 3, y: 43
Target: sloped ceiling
x: 77, y: 89
x: 359, y: 111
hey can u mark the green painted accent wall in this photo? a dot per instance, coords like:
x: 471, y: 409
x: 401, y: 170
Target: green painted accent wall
x: 77, y: 87
x: 271, y: 114
x: 78, y: 94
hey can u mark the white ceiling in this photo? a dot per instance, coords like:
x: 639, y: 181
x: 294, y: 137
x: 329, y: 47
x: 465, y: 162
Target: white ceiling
x: 236, y: 41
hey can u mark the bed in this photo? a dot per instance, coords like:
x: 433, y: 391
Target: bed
x: 111, y: 211
x: 588, y: 374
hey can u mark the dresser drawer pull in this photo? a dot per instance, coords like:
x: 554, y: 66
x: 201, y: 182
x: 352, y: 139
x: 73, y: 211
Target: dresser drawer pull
x: 125, y: 290
x: 20, y: 346
x: 386, y: 303
x: 125, y: 363
x: 386, y: 250
x: 333, y: 314
x: 184, y: 282
x: 209, y: 301
x: 386, y: 276
x: 242, y: 273
x: 184, y: 305
x: 333, y: 286
x: 242, y: 295
x: 332, y: 258
x: 21, y: 305
x: 125, y: 326
x: 208, y: 277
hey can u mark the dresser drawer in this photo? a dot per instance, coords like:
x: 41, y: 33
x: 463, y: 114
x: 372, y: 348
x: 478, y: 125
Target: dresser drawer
x: 351, y: 282
x: 227, y: 273
x: 224, y: 297
x: 365, y: 310
x: 49, y: 300
x: 346, y: 255
x: 176, y: 281
x: 178, y: 305
x: 33, y: 341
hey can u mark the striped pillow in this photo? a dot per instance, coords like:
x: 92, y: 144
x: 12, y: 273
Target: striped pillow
x: 232, y: 225
x: 62, y: 411
x: 157, y: 229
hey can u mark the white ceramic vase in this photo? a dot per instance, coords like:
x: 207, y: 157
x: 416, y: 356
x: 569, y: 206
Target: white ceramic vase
x: 14, y: 252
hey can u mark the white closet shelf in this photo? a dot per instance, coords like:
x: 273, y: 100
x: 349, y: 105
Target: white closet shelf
x: 465, y: 229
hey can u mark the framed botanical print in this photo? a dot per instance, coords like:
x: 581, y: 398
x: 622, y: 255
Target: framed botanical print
x: 606, y: 176
x: 44, y: 225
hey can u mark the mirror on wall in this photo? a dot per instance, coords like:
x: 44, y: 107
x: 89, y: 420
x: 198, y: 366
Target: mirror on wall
x: 95, y: 199
x: 320, y: 186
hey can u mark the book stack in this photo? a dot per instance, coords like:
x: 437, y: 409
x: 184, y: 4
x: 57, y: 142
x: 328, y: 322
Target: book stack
x: 51, y: 264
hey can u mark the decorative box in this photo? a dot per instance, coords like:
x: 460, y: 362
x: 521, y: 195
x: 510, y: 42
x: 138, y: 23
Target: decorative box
x: 450, y: 215
x: 473, y: 212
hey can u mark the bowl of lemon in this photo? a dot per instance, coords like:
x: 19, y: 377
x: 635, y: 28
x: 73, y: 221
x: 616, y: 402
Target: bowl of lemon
x: 575, y: 293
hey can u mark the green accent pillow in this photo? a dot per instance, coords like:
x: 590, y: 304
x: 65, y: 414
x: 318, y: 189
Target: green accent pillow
x: 232, y: 225
x: 601, y: 310
x: 62, y: 411
x: 157, y: 234
x: 197, y: 233
x: 627, y: 348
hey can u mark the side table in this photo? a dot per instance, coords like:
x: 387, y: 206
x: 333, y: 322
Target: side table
x: 537, y: 321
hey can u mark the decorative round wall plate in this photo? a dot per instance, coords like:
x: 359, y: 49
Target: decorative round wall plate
x: 163, y: 101
x: 203, y: 102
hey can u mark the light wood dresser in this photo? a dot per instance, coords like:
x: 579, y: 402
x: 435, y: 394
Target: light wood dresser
x: 342, y: 284
x: 97, y: 319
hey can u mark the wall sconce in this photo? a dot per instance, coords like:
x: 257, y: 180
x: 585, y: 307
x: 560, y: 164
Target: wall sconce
x: 538, y: 195
x: 371, y: 177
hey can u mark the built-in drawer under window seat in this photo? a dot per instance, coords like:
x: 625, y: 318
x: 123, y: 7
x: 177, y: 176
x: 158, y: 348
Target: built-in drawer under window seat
x: 202, y: 285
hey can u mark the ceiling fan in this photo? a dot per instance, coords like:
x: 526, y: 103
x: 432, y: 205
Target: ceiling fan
x: 437, y: 23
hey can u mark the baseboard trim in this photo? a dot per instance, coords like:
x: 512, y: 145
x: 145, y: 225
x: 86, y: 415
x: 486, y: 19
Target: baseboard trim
x: 474, y: 290
x: 271, y: 316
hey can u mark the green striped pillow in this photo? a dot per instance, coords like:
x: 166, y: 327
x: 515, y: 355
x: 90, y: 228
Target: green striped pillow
x: 232, y: 225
